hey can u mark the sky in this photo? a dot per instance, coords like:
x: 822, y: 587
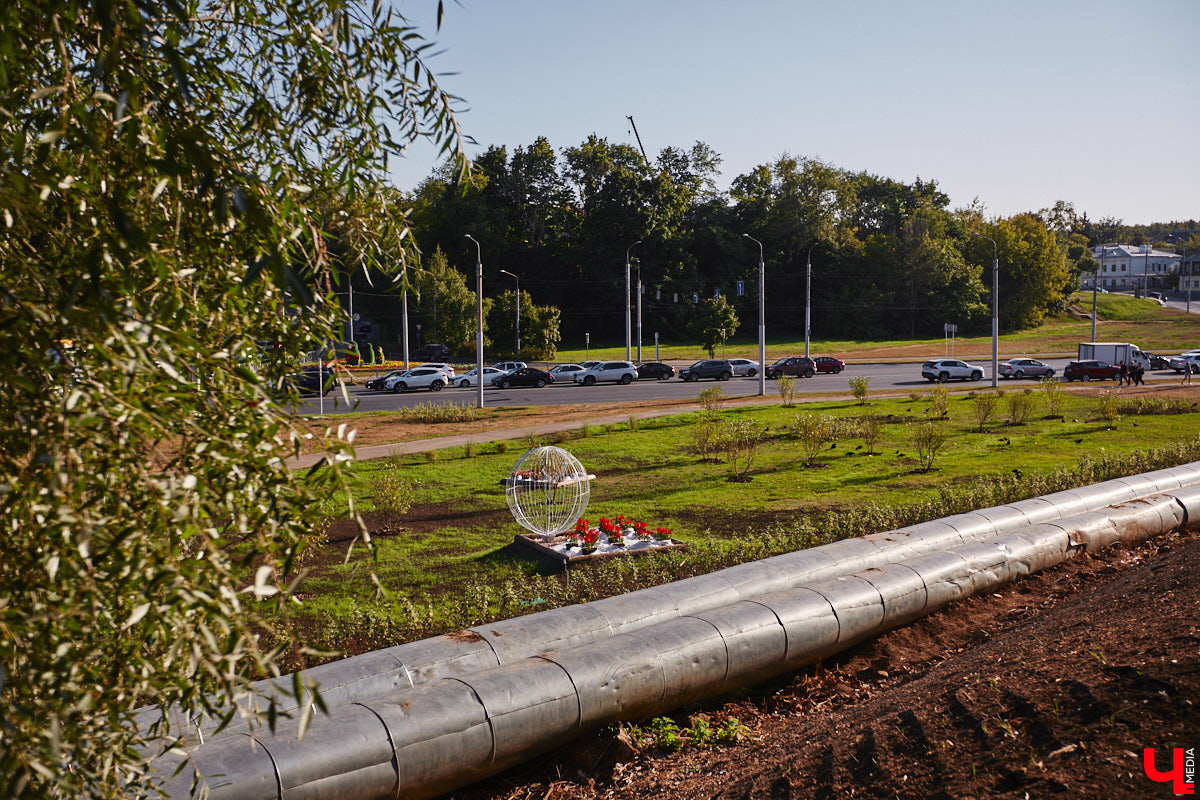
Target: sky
x: 1015, y: 104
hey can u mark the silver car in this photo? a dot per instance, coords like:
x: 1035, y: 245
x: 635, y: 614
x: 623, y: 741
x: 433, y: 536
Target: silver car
x: 1025, y: 368
x: 744, y: 367
x: 615, y: 371
x: 943, y: 369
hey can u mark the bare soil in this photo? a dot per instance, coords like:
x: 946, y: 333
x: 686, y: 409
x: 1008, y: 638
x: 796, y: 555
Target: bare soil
x: 1050, y: 687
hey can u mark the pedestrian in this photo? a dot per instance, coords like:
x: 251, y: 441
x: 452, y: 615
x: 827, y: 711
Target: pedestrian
x: 1187, y: 374
x: 1139, y: 375
x: 1122, y: 374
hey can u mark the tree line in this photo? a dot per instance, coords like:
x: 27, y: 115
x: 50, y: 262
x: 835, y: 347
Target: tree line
x: 888, y: 258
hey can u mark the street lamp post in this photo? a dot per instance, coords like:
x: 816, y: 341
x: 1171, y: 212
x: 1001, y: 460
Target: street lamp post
x: 762, y: 322
x: 808, y: 299
x: 628, y: 321
x: 478, y: 320
x: 1095, y: 280
x: 996, y: 306
x: 517, y: 357
x: 639, y: 310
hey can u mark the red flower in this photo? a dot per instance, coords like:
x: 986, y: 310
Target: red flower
x: 608, y: 526
x: 590, y: 538
x: 581, y: 526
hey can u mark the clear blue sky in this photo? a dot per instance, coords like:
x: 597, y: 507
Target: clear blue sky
x: 1018, y: 103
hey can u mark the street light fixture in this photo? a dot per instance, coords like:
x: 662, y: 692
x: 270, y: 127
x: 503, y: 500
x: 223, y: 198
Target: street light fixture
x: 808, y: 299
x: 762, y: 323
x: 628, y: 321
x: 478, y: 320
x: 996, y: 306
x: 517, y: 357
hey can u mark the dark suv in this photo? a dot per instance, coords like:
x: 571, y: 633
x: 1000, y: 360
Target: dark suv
x: 432, y: 352
x: 800, y: 366
x: 717, y: 369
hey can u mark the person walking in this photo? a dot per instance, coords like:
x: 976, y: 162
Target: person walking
x: 1122, y: 374
x: 1187, y: 375
x: 1139, y: 375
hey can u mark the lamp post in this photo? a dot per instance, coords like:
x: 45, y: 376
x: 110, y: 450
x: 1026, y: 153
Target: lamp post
x: 762, y: 322
x: 1191, y: 270
x: 1095, y: 280
x: 996, y: 306
x: 628, y: 321
x: 639, y: 310
x: 517, y: 357
x: 478, y: 320
x: 808, y: 299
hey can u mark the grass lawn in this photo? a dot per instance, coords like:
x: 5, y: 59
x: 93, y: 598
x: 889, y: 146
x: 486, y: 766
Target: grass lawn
x: 449, y: 561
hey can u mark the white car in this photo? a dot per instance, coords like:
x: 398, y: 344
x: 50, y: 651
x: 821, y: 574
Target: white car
x: 1190, y: 359
x: 509, y: 366
x: 943, y: 369
x: 418, y: 378
x: 563, y: 371
x: 744, y: 367
x: 616, y: 371
x: 443, y: 366
x: 468, y: 379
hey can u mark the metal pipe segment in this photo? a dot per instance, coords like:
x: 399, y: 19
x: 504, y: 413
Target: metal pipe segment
x: 420, y: 719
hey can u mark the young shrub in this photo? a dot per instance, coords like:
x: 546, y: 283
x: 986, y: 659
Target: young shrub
x: 432, y: 456
x: 633, y: 422
x: 870, y: 430
x: 929, y: 440
x: 814, y: 432
x: 859, y: 385
x: 939, y: 403
x: 1055, y: 396
x: 710, y: 399
x: 706, y: 437
x: 1108, y: 407
x: 501, y: 446
x: 984, y: 407
x: 1020, y: 406
x: 739, y: 441
x: 391, y: 489
x: 786, y: 386
x: 469, y: 449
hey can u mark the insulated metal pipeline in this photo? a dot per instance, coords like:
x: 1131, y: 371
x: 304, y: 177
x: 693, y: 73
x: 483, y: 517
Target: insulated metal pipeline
x: 380, y: 672
x: 425, y: 739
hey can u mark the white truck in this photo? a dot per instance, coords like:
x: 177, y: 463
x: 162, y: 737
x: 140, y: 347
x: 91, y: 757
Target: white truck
x: 1114, y: 353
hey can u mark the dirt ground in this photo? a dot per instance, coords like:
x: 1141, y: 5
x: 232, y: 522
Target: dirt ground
x: 1050, y: 687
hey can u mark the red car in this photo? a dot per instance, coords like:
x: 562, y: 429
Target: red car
x: 1090, y: 371
x: 829, y: 364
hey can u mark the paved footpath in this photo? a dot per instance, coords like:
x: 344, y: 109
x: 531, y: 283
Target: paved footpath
x: 458, y: 440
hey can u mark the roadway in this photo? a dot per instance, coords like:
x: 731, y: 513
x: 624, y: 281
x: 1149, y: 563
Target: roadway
x: 894, y: 377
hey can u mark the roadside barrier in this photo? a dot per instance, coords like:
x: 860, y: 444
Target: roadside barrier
x: 420, y: 719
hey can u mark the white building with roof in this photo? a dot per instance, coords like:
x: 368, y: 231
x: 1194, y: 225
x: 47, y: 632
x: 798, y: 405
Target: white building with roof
x: 1127, y: 266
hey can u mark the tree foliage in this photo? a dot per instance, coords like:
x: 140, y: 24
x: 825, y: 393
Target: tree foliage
x: 161, y: 164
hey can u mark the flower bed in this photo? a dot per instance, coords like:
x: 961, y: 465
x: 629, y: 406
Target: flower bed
x: 608, y: 538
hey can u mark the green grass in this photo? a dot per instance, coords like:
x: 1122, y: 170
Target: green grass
x: 463, y: 569
x: 1121, y: 318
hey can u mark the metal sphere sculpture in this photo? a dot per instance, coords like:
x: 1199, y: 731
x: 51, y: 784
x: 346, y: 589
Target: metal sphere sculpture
x: 547, y: 490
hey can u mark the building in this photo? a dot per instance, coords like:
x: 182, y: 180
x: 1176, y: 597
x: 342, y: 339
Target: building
x: 1189, y: 274
x: 1125, y: 267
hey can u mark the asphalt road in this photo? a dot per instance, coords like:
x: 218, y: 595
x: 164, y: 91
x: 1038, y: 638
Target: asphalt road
x: 899, y: 377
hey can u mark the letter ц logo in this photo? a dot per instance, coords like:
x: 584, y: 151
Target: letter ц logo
x: 1183, y: 769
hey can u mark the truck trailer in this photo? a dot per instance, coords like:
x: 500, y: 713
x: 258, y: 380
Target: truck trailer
x: 1116, y: 353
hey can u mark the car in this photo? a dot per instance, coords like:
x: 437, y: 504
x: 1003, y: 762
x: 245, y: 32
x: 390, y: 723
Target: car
x: 943, y: 369
x: 423, y: 377
x: 468, y: 378
x: 525, y: 376
x: 744, y: 367
x: 590, y: 364
x: 377, y: 384
x: 716, y: 368
x: 312, y: 380
x: 1184, y: 361
x: 509, y: 366
x: 442, y: 365
x: 829, y: 364
x: 797, y: 366
x: 1091, y: 370
x: 1025, y: 368
x: 1157, y: 361
x: 617, y: 371
x: 655, y: 370
x: 431, y: 352
x: 563, y: 372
